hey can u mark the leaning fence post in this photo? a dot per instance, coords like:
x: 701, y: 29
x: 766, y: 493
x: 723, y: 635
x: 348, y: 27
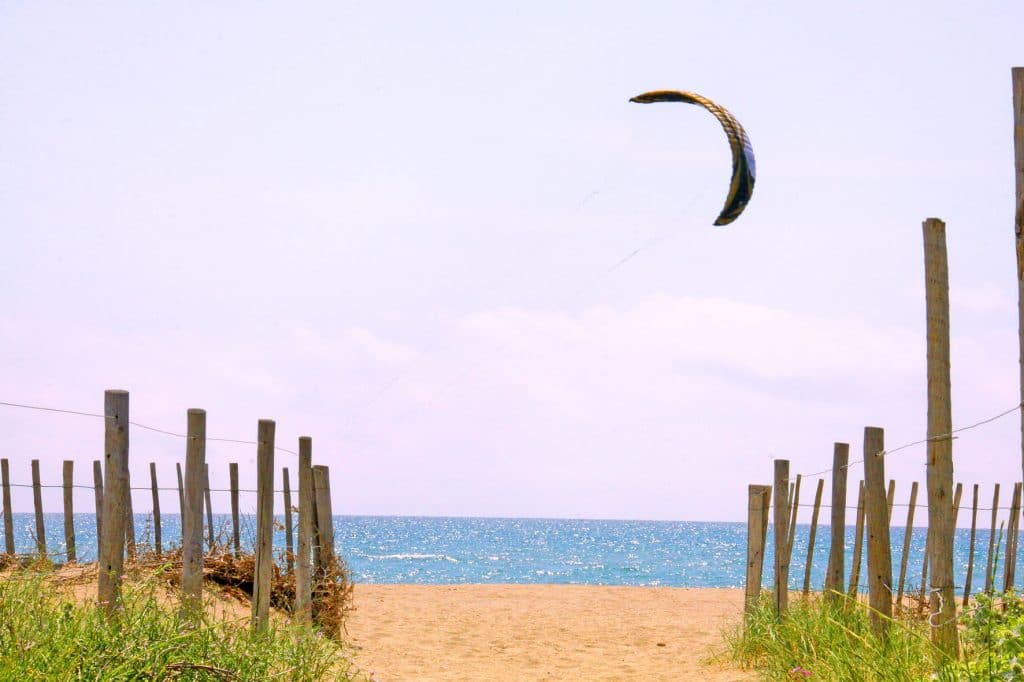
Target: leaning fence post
x: 755, y: 543
x: 781, y: 518
x: 263, y: 571
x: 813, y: 533
x: 970, y: 552
x: 209, y: 507
x: 115, y: 494
x: 156, y: 509
x: 837, y: 552
x: 879, y: 551
x: 890, y: 497
x: 69, y: 511
x: 858, y: 544
x: 289, y: 553
x: 303, y: 593
x: 1009, y: 566
x: 989, y: 577
x: 181, y: 493
x: 37, y: 502
x: 129, y: 522
x: 235, y: 537
x: 794, y: 505
x: 192, y: 523
x: 907, y: 537
x: 5, y: 473
x: 97, y: 484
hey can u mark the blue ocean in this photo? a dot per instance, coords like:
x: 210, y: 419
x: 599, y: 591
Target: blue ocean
x: 435, y: 550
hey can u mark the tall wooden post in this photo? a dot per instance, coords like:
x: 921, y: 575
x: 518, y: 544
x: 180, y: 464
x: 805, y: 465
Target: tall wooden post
x: 236, y: 539
x: 303, y: 569
x: 989, y: 566
x: 1017, y: 76
x: 264, y: 524
x: 970, y: 552
x: 781, y: 518
x: 794, y: 505
x: 755, y: 544
x: 940, y: 445
x: 69, y: 510
x: 156, y: 509
x: 836, y: 575
x: 115, y: 496
x: 879, y: 552
x: 37, y: 502
x: 97, y: 484
x: 289, y: 553
x: 192, y: 523
x: 907, y: 537
x: 811, y: 536
x: 5, y: 474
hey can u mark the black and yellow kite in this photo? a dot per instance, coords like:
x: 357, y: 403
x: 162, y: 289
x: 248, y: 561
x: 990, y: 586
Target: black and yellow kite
x: 741, y: 187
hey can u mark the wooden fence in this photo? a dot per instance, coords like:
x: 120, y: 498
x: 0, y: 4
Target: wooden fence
x: 115, y: 526
x: 875, y: 507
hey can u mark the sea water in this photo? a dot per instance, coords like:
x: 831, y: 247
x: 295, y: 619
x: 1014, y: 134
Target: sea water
x: 438, y: 550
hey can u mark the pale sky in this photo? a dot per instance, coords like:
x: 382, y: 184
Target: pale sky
x: 396, y: 228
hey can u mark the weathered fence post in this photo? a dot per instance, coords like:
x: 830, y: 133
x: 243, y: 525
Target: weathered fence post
x: 192, y: 523
x: 115, y: 494
x: 97, y: 484
x: 37, y: 503
x: 813, y: 533
x: 156, y: 509
x: 940, y: 444
x: 236, y: 539
x: 970, y: 552
x: 837, y: 552
x: 794, y: 505
x: 181, y: 493
x: 879, y: 551
x: 989, y: 572
x: 129, y: 521
x: 69, y: 510
x: 209, y: 507
x: 781, y: 518
x: 755, y: 544
x: 1017, y: 78
x: 289, y: 553
x: 890, y: 497
x: 264, y: 524
x: 324, y: 533
x: 906, y: 543
x: 5, y: 474
x: 1010, y: 564
x: 858, y: 544
x: 303, y: 591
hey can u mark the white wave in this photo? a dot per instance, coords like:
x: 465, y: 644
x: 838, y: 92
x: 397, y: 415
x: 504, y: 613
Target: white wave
x: 413, y: 556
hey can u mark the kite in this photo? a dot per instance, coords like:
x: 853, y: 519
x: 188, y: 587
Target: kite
x: 741, y: 186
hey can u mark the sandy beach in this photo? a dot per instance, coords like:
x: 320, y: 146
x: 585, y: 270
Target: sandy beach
x: 542, y: 632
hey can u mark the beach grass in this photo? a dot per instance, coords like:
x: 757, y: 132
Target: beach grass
x: 47, y: 633
x: 821, y: 640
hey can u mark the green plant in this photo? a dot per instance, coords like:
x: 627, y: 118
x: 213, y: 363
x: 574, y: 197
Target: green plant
x: 820, y: 640
x: 48, y: 635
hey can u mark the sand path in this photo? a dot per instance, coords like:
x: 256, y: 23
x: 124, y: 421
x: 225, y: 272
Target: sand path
x: 542, y: 632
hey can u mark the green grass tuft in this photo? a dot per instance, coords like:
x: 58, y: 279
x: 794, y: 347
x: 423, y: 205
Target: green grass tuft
x: 820, y: 640
x: 45, y: 634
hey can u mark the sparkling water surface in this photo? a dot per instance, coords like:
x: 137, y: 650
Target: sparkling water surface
x: 437, y: 550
